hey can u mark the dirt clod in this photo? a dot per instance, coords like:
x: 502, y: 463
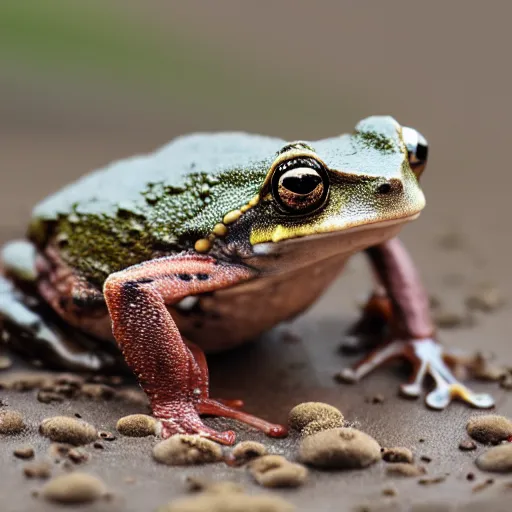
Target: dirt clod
x: 303, y: 414
x: 398, y: 454
x: 229, y: 502
x: 276, y: 471
x: 63, y: 429
x: 78, y: 455
x: 74, y: 488
x: 186, y: 449
x: 340, y: 448
x: 37, y: 470
x: 24, y: 452
x: 467, y: 445
x: 498, y: 459
x: 489, y: 428
x: 11, y: 422
x: 137, y: 425
x: 404, y: 469
x: 248, y: 450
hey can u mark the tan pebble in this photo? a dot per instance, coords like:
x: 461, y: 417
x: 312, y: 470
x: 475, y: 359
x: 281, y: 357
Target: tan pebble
x: 183, y: 449
x: 5, y: 362
x: 106, y: 435
x: 59, y: 450
x: 489, y: 428
x: 26, y: 381
x: 74, y: 488
x: 498, y: 459
x: 98, y: 391
x: 432, y: 481
x: 78, y: 455
x: 37, y: 470
x: 340, y: 448
x: 398, y: 454
x: 276, y: 471
x: 137, y: 425
x: 485, y: 298
x: 133, y: 396
x: 247, y: 450
x: 318, y: 426
x: 11, y: 422
x: 231, y: 217
x: 24, y: 452
x: 467, y: 445
x: 307, y: 412
x: 229, y: 502
x: 404, y: 469
x: 63, y: 429
x: 47, y: 397
x: 195, y: 484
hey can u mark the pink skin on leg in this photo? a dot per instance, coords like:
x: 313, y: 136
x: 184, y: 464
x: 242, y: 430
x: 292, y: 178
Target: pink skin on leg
x: 172, y: 372
x: 411, y: 331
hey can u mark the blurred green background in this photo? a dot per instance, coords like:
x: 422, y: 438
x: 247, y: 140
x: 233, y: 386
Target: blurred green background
x: 83, y: 83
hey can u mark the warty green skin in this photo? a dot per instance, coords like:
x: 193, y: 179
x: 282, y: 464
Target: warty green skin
x: 162, y: 203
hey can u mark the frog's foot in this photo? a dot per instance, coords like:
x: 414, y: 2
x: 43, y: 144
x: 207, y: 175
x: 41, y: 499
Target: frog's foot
x: 184, y: 418
x: 427, y: 358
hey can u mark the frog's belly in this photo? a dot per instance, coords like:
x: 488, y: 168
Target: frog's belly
x: 235, y: 315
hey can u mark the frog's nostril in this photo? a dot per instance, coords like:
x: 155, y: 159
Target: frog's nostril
x: 384, y: 188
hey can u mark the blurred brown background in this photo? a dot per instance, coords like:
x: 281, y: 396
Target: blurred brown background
x: 84, y: 83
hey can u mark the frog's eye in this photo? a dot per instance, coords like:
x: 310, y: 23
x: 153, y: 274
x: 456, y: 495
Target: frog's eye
x: 300, y: 185
x: 417, y: 148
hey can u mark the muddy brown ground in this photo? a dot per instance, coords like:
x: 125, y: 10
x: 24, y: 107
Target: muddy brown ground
x: 441, y: 67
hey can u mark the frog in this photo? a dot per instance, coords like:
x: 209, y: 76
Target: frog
x: 206, y: 243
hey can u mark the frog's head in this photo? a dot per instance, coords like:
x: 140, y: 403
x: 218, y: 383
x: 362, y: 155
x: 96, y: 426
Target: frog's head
x: 365, y: 181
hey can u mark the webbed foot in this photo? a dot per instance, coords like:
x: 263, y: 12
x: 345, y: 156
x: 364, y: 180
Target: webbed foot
x: 427, y: 357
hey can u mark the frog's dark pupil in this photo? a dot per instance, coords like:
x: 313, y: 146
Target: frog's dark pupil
x: 301, y: 183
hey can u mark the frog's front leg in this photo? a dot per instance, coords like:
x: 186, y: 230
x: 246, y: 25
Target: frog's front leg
x: 411, y: 332
x: 173, y: 375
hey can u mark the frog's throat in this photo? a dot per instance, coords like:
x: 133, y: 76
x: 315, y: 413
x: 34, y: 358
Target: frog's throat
x: 378, y: 226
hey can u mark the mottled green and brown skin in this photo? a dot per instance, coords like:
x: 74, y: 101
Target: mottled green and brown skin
x: 215, y: 238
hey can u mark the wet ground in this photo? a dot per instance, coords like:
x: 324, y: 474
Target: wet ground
x: 458, y: 94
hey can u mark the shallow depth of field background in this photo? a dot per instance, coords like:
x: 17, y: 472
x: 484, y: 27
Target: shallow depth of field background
x: 83, y: 83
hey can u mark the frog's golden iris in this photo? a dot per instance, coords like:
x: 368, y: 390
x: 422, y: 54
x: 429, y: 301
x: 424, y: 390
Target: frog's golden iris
x: 300, y: 185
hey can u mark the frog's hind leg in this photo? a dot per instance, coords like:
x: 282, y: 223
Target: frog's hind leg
x: 31, y: 327
x: 172, y: 372
x: 411, y: 334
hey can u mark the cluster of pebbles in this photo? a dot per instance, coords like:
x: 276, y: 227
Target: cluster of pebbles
x: 325, y: 441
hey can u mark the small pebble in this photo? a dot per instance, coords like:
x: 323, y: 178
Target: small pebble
x: 247, y: 450
x: 78, y: 455
x: 341, y: 448
x: 506, y: 382
x: 470, y: 476
x: 229, y: 502
x: 5, y: 362
x: 107, y: 436
x: 276, y: 471
x: 467, y: 445
x: 21, y: 381
x: 137, y: 425
x: 134, y: 396
x: 11, y: 422
x: 431, y: 481
x: 47, y: 397
x: 485, y: 298
x: 37, y: 470
x: 489, y: 428
x: 98, y: 445
x: 389, y: 491
x: 63, y: 429
x: 25, y: 452
x: 404, y: 469
x: 426, y: 459
x: 303, y: 414
x: 183, y: 449
x: 98, y: 391
x: 195, y: 484
x: 483, y: 485
x: 398, y: 454
x: 74, y: 488
x: 497, y: 459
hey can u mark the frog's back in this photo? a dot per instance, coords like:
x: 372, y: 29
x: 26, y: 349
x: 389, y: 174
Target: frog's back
x: 152, y: 204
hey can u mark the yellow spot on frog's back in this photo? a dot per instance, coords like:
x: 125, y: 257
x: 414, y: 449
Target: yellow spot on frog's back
x: 220, y: 229
x: 244, y: 208
x: 254, y: 201
x: 231, y: 217
x: 202, y: 245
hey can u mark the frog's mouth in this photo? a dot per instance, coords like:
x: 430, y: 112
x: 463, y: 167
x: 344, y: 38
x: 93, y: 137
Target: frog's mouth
x: 348, y: 240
